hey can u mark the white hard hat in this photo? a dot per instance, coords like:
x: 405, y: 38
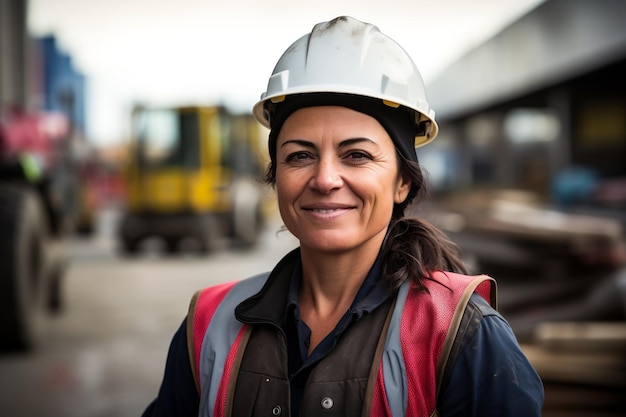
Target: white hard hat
x: 348, y: 56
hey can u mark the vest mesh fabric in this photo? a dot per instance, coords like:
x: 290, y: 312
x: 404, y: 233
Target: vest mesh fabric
x: 206, y: 305
x: 222, y: 393
x: 423, y: 330
x: 424, y: 325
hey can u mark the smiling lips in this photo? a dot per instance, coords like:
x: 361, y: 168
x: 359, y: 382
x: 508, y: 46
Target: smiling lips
x: 327, y: 212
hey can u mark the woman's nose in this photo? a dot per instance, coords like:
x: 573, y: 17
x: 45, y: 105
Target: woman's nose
x: 327, y: 176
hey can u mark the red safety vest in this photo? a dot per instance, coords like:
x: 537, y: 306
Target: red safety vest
x: 419, y: 339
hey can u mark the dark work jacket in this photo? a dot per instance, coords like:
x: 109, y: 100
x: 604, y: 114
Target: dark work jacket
x: 265, y: 310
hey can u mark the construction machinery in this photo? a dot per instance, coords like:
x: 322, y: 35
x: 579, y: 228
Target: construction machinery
x: 35, y: 192
x: 193, y: 176
x: 42, y: 110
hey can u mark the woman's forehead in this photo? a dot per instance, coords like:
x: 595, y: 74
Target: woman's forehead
x: 335, y: 117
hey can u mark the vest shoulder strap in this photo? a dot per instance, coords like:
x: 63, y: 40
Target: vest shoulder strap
x: 484, y: 286
x: 213, y: 337
x: 202, y: 307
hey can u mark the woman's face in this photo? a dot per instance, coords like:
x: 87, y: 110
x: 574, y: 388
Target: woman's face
x: 336, y: 178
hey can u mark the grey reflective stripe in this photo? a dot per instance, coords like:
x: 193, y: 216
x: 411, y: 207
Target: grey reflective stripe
x: 219, y: 338
x: 394, y: 368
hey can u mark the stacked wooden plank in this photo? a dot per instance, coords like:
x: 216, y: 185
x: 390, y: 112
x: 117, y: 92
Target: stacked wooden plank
x: 583, y: 367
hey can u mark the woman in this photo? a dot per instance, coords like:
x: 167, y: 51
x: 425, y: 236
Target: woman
x: 361, y: 319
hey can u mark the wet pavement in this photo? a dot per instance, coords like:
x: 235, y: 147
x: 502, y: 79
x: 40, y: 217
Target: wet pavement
x: 104, y: 355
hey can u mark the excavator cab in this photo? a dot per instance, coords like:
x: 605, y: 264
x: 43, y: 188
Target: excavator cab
x: 184, y: 180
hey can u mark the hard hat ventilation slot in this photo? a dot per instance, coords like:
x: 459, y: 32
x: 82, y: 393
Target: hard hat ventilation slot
x: 393, y: 88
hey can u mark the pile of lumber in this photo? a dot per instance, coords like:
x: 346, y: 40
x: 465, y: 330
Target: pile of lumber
x: 583, y: 368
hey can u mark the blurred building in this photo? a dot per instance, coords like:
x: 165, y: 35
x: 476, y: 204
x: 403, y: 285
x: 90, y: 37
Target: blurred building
x: 540, y: 109
x: 36, y: 74
x: 13, y: 41
x: 543, y: 98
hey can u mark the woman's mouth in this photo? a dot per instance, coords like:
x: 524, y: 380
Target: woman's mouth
x: 327, y: 212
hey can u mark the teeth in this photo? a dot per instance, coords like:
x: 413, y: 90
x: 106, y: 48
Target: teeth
x: 324, y: 211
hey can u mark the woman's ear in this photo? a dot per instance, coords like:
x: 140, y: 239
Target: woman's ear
x: 403, y: 186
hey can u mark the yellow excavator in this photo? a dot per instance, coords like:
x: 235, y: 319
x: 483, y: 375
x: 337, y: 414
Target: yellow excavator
x: 193, y: 173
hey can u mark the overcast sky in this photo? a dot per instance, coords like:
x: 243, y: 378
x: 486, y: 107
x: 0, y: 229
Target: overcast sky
x: 210, y: 51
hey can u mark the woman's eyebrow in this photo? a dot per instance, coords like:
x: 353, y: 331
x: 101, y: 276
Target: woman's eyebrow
x: 300, y: 142
x: 309, y: 144
x: 354, y: 141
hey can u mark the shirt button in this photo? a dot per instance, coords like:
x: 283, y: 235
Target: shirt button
x: 276, y: 411
x: 327, y: 403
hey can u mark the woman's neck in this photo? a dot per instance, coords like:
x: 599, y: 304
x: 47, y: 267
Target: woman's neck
x: 330, y: 283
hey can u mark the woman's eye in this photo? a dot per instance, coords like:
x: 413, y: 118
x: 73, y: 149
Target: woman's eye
x: 358, y: 156
x: 297, y: 157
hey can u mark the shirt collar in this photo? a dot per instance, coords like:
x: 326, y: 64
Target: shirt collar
x: 373, y: 292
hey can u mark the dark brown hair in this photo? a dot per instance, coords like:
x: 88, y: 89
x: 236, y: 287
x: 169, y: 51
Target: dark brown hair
x: 413, y: 247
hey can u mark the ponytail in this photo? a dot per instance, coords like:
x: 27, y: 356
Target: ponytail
x: 414, y: 248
